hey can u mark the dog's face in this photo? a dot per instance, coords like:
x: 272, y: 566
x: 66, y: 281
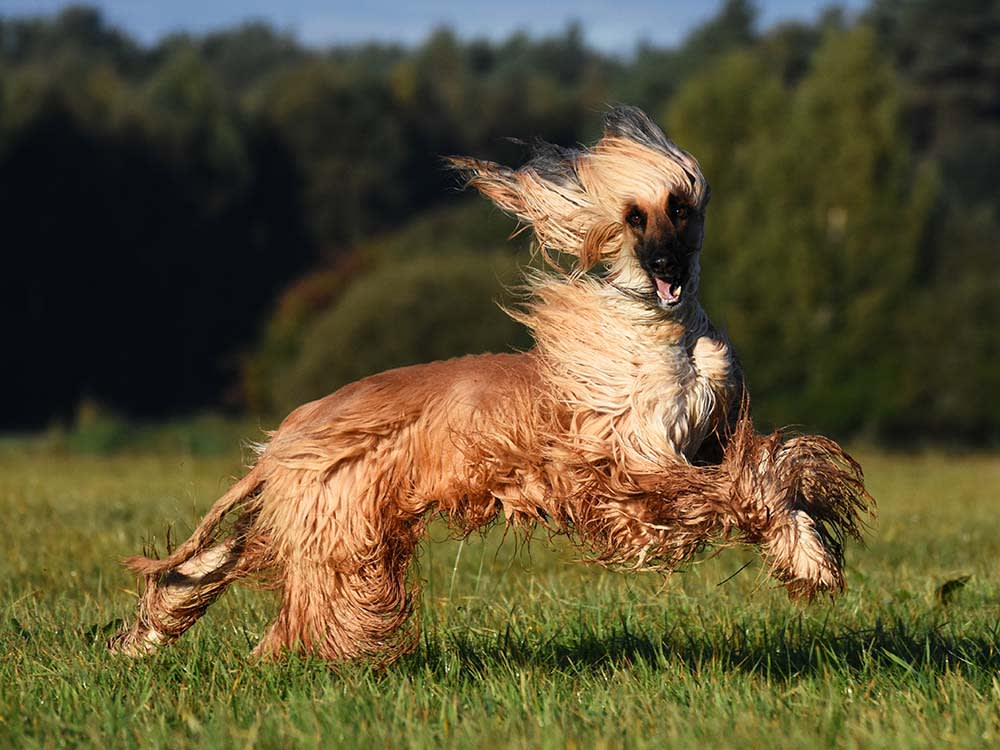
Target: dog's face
x: 635, y: 201
x: 664, y: 236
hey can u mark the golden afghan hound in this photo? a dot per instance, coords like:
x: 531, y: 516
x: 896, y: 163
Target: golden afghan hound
x: 625, y: 427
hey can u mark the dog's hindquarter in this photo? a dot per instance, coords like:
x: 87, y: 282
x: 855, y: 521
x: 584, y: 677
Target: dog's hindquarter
x: 350, y: 480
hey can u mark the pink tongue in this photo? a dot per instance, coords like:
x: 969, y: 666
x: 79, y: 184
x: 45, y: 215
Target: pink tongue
x: 667, y: 292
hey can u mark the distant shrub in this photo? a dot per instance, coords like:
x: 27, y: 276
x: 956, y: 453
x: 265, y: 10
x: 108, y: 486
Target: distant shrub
x: 297, y: 307
x: 470, y: 228
x: 97, y: 430
x: 401, y: 314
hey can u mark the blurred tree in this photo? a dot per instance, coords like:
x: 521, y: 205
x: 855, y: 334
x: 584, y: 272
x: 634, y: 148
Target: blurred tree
x: 657, y: 73
x: 135, y: 247
x: 788, y: 48
x: 472, y: 227
x: 853, y: 256
x: 251, y: 52
x: 951, y: 343
x: 281, y: 343
x: 187, y: 107
x: 346, y: 134
x: 77, y: 34
x: 950, y: 63
x: 819, y: 241
x: 731, y: 28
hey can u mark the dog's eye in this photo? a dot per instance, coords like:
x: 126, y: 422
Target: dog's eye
x: 636, y: 218
x: 678, y: 211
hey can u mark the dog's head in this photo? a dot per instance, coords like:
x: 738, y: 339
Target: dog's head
x: 634, y: 201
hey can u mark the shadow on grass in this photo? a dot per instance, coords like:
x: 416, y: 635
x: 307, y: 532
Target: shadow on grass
x: 775, y: 651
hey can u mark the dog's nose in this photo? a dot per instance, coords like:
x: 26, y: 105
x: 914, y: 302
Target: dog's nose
x: 664, y: 260
x: 667, y: 267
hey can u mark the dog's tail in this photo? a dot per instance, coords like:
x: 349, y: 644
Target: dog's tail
x: 244, y: 493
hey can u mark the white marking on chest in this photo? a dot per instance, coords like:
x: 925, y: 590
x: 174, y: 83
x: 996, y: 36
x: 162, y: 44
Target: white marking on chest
x: 692, y: 383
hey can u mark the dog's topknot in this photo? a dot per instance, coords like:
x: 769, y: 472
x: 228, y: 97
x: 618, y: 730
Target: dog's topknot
x: 625, y: 121
x: 574, y: 198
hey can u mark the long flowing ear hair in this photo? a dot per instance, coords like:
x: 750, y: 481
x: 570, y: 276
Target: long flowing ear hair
x: 575, y: 198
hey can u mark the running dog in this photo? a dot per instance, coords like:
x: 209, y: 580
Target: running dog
x: 625, y: 427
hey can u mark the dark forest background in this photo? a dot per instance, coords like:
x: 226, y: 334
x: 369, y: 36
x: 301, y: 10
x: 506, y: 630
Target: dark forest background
x: 237, y: 223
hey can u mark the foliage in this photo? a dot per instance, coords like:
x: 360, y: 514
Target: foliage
x: 439, y: 235
x: 949, y: 64
x: 818, y: 226
x: 281, y: 342
x: 136, y: 227
x: 341, y: 128
x: 159, y: 201
x: 99, y: 432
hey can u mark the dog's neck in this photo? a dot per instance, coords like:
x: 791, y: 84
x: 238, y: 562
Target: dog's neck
x: 658, y: 379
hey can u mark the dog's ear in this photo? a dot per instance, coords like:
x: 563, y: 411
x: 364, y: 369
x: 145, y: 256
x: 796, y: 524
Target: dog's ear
x: 547, y: 194
x: 498, y: 183
x: 600, y: 236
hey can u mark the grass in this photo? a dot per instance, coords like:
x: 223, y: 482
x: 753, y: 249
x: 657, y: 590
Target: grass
x: 520, y: 647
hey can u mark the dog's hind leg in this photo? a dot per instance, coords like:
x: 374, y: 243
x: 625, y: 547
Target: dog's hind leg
x: 180, y: 587
x: 173, y: 601
x: 338, y: 615
x: 343, y: 541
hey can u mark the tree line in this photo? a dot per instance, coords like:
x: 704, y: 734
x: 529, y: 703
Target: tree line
x: 225, y: 220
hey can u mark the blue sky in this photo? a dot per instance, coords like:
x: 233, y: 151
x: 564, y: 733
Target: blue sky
x: 614, y: 27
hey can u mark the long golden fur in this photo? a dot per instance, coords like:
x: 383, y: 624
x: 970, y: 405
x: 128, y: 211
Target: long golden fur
x: 625, y: 427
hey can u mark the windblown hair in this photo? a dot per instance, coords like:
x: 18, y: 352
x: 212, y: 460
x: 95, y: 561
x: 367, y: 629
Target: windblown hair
x: 572, y: 198
x: 625, y: 428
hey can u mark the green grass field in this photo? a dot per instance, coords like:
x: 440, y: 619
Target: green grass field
x: 521, y: 646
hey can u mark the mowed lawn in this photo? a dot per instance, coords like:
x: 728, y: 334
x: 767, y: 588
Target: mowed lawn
x: 521, y: 646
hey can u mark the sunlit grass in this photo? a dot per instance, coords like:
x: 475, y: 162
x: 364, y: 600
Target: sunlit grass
x: 521, y: 647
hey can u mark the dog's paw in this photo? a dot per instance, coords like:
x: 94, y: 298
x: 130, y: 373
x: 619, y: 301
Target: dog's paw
x: 805, y: 560
x: 136, y: 642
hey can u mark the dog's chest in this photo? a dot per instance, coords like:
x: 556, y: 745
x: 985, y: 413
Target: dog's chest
x: 688, y: 386
x: 637, y: 388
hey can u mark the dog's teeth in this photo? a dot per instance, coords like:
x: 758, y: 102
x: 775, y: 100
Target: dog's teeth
x: 668, y: 293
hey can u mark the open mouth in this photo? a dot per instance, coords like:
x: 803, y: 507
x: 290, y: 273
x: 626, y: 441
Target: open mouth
x: 667, y: 292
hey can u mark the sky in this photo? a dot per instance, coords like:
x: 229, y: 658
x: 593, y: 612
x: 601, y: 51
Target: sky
x: 614, y: 27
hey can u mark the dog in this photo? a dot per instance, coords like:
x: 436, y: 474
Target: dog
x: 626, y: 427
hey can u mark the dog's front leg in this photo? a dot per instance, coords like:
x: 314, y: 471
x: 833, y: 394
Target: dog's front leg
x: 797, y: 500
